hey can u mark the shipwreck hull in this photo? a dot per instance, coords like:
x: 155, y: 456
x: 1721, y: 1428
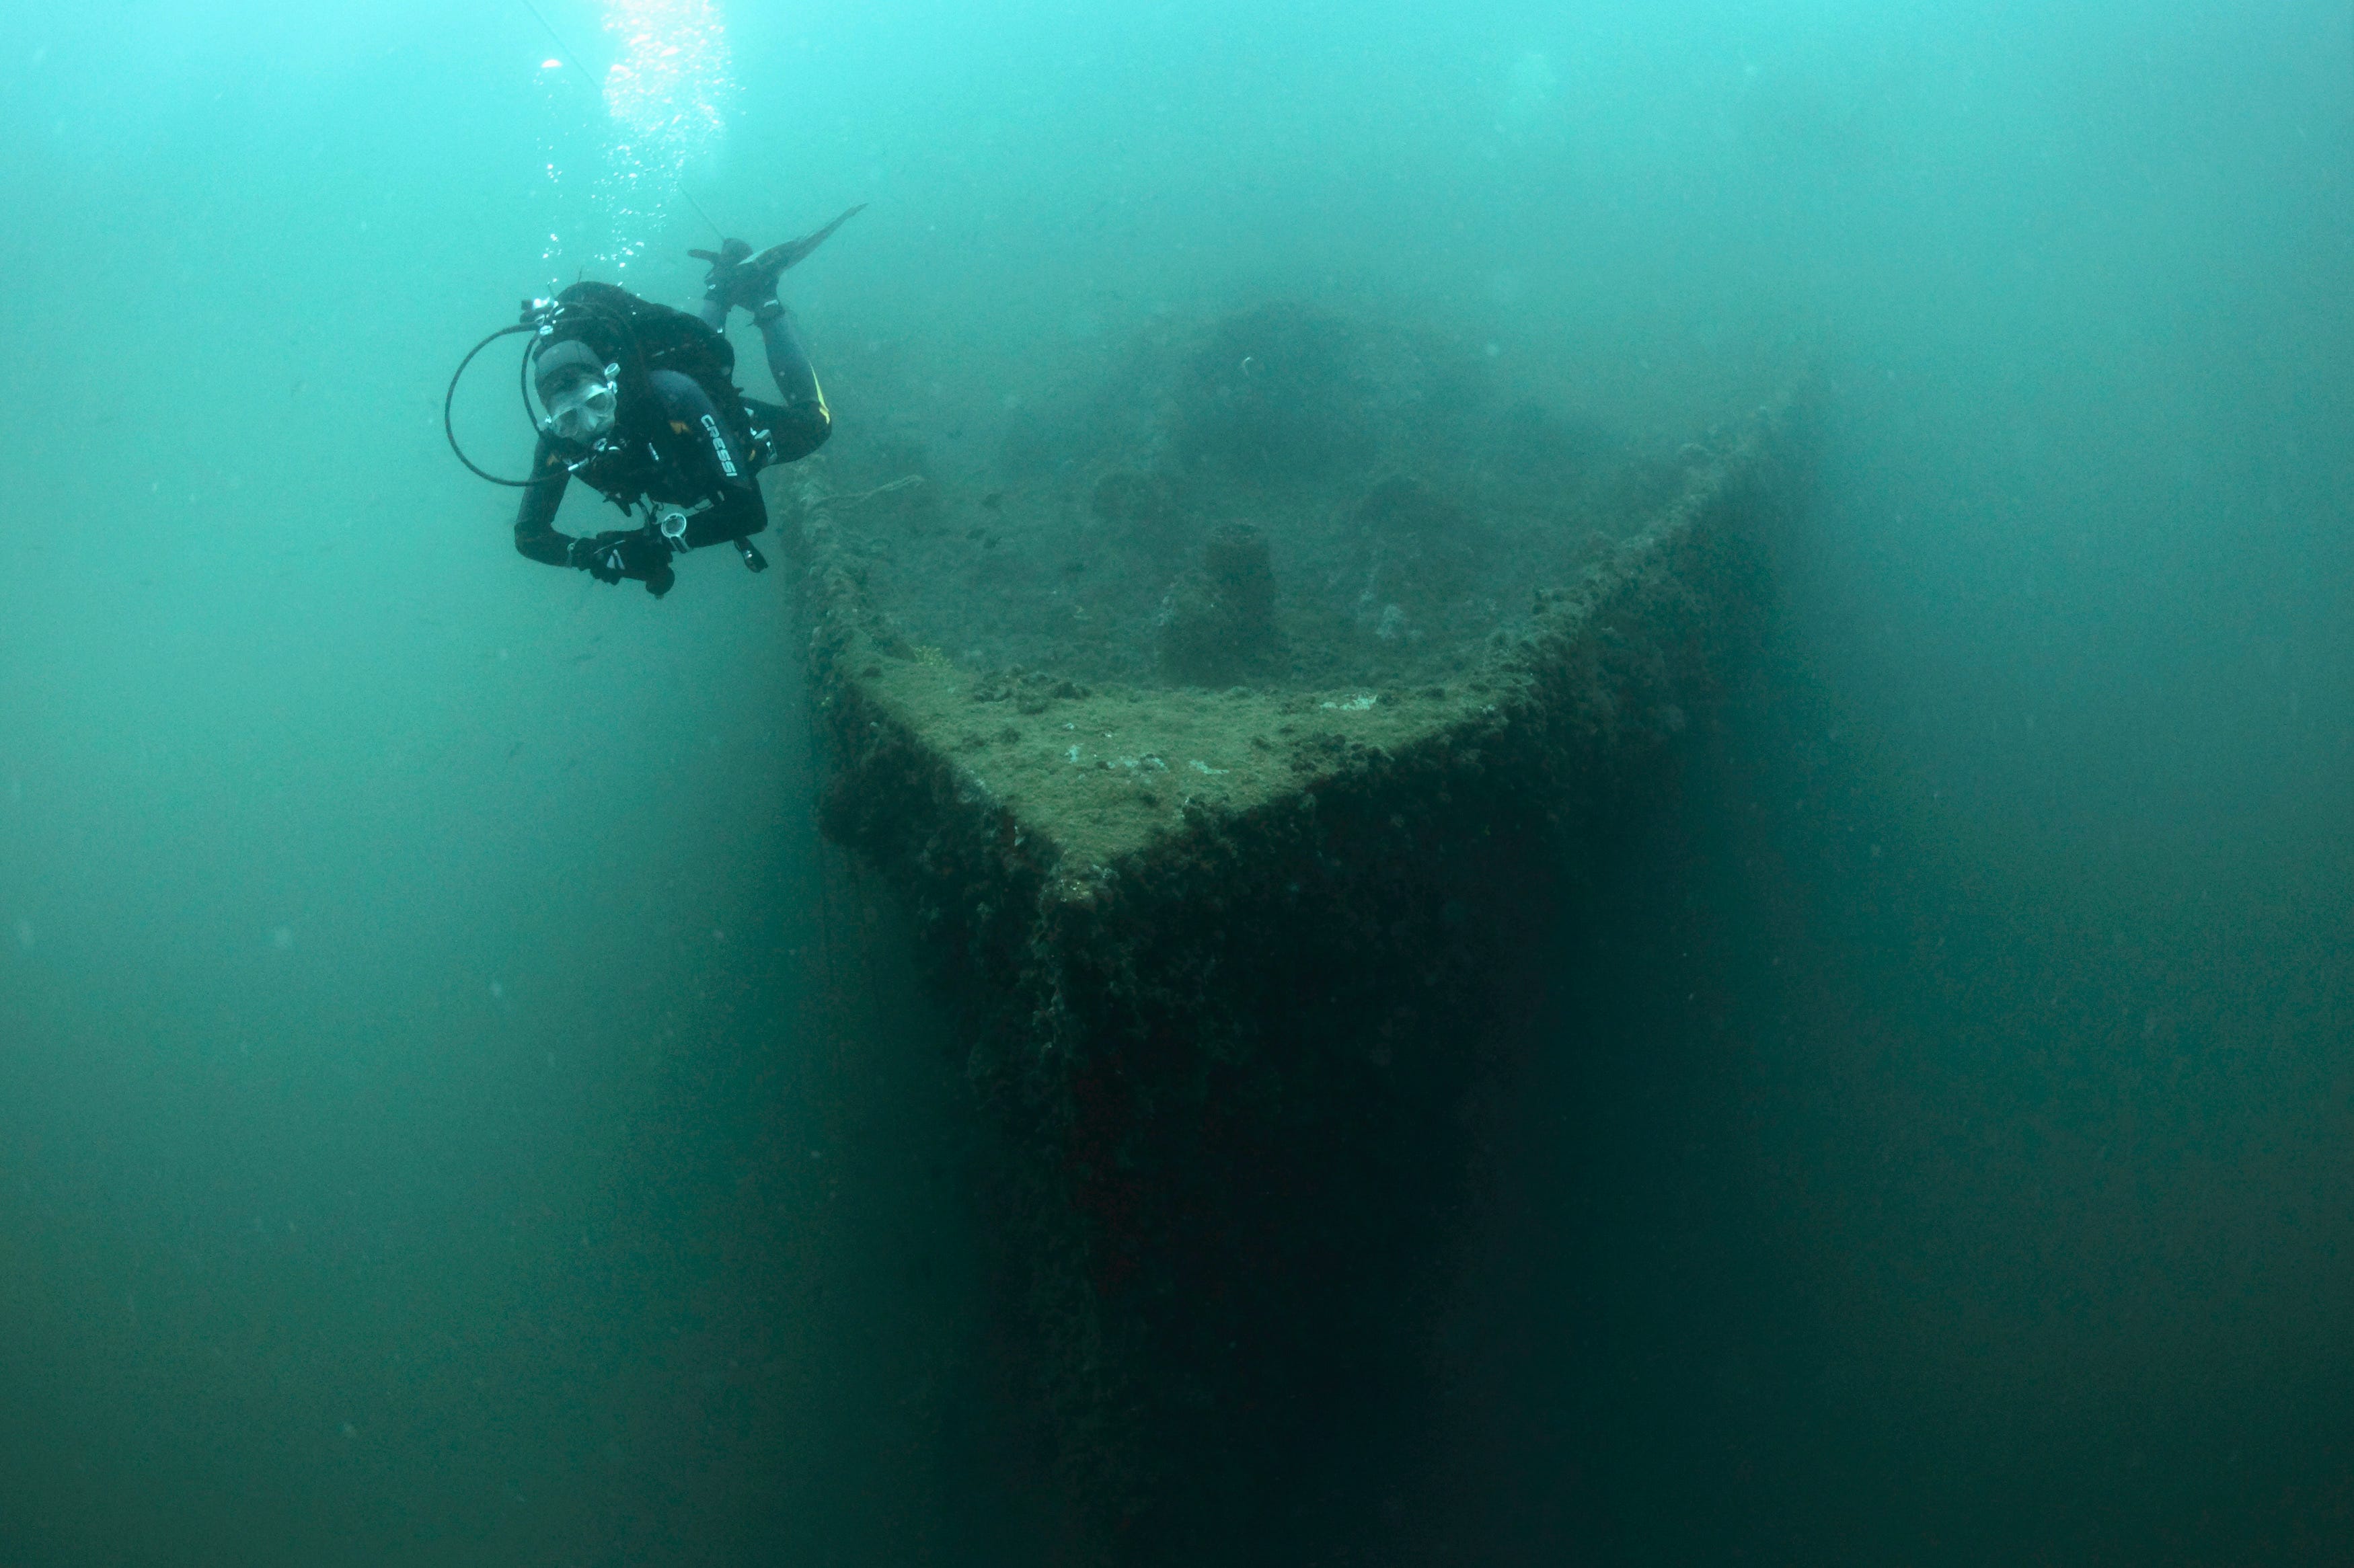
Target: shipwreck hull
x: 1237, y: 970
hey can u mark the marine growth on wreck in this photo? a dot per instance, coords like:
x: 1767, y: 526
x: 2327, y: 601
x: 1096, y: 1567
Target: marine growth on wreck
x: 1228, y: 753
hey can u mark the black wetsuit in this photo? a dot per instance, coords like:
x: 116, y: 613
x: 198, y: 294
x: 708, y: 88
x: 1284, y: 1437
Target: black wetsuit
x: 684, y: 452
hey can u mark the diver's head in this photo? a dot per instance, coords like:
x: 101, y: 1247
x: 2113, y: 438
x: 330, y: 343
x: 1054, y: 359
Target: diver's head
x: 578, y: 389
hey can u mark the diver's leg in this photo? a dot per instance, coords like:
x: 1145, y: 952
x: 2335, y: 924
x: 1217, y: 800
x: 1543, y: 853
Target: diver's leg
x: 788, y: 360
x: 806, y: 421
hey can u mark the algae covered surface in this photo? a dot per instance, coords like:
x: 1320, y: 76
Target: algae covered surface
x: 1104, y: 772
x: 1307, y: 541
x: 1277, y: 498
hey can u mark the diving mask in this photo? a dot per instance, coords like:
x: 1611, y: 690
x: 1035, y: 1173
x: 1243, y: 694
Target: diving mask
x: 582, y: 409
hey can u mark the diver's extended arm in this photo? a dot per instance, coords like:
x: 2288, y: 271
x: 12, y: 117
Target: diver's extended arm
x: 535, y: 527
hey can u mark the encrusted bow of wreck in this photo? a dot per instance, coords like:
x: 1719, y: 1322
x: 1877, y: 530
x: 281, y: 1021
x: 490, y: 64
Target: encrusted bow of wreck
x: 1235, y: 968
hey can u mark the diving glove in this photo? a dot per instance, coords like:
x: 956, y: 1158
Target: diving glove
x: 639, y: 554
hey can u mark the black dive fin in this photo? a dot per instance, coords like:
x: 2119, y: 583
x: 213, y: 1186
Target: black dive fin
x: 783, y: 258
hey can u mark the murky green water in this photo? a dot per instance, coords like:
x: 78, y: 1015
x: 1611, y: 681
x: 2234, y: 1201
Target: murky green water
x: 453, y: 1110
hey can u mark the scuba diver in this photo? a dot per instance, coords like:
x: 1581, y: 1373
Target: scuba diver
x: 642, y: 405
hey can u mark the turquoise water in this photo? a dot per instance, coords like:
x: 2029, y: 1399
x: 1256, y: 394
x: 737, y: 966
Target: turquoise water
x: 453, y: 1110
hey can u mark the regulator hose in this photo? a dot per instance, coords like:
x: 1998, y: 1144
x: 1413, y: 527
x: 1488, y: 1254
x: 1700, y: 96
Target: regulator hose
x: 540, y: 318
x: 523, y: 389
